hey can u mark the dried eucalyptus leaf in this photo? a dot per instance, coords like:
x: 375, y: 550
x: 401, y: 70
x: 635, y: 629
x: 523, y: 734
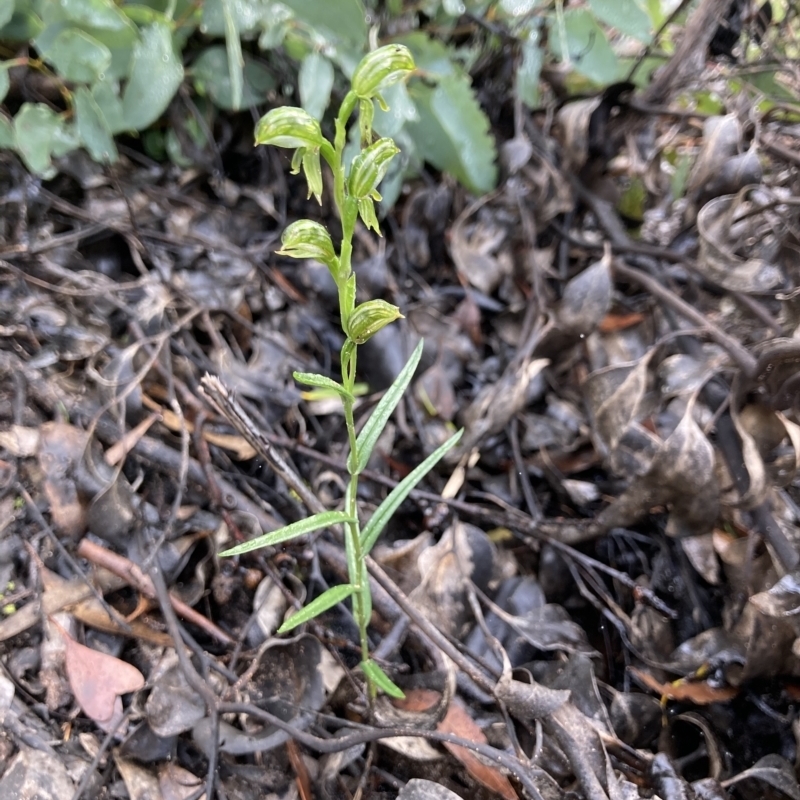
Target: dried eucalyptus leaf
x: 754, y: 464
x: 722, y: 138
x: 586, y: 299
x: 773, y: 770
x: 682, y: 475
x: 495, y: 405
x: 421, y: 789
x: 614, y: 397
x: 720, y: 260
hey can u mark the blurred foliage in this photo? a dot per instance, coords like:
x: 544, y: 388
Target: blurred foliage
x: 79, y: 72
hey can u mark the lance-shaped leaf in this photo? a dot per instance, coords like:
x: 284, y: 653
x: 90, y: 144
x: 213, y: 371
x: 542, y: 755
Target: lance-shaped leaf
x: 315, y: 523
x: 321, y: 382
x: 319, y: 605
x: 386, y: 509
x: 380, y: 416
x: 378, y: 678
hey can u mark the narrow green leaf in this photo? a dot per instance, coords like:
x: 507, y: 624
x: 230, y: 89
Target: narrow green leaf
x: 384, y: 512
x: 288, y: 532
x: 380, y: 416
x: 319, y: 605
x: 321, y: 382
x: 233, y: 46
x: 376, y: 676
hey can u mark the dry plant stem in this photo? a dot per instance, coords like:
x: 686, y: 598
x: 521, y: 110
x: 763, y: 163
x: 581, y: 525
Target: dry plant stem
x: 126, y: 569
x: 227, y: 405
x: 193, y: 678
x: 743, y: 359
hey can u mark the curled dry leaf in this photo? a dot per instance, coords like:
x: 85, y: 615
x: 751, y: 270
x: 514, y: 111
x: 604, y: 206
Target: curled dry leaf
x: 720, y: 247
x: 496, y: 404
x: 614, y: 397
x: 478, y: 254
x: 98, y: 680
x: 722, y: 138
x: 586, y: 299
x: 682, y: 475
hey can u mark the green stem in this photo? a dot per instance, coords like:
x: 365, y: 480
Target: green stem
x: 348, y: 213
x: 362, y: 602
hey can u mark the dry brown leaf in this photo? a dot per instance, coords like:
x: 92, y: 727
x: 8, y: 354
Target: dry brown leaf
x: 700, y: 693
x: 458, y: 722
x: 177, y: 783
x: 61, y: 446
x: 612, y: 323
x: 97, y: 679
x: 235, y: 444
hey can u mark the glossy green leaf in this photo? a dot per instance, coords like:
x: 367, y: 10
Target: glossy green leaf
x: 75, y: 54
x: 587, y: 48
x: 453, y: 133
x: 6, y: 11
x: 211, y: 76
x: 156, y: 74
x: 374, y: 426
x: 304, y: 526
x: 248, y: 15
x: 328, y: 599
x: 94, y: 13
x: 35, y: 127
x: 385, y: 511
x: 106, y: 95
x: 92, y: 127
x: 120, y: 43
x: 8, y: 139
x: 65, y: 139
x: 23, y: 26
x: 315, y: 82
x: 627, y: 16
x: 378, y: 678
x: 343, y: 21
x: 321, y: 382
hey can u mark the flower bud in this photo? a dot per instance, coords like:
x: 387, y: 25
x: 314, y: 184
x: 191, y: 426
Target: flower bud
x: 289, y: 127
x: 368, y: 318
x: 380, y: 69
x: 307, y: 239
x: 369, y: 168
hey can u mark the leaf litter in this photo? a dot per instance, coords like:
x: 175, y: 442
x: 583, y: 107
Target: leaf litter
x: 608, y: 589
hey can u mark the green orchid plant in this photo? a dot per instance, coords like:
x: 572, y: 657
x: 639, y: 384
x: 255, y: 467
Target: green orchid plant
x: 354, y: 194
